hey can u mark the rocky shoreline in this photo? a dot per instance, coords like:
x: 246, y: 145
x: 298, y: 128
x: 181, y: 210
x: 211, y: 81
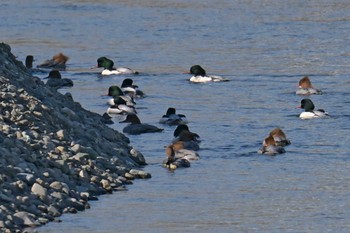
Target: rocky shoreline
x: 55, y: 156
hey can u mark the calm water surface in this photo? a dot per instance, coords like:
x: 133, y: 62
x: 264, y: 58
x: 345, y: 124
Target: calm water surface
x: 264, y: 47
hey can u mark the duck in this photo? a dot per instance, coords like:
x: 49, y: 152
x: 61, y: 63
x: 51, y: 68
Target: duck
x: 200, y: 76
x: 306, y: 88
x: 280, y: 137
x: 29, y: 61
x: 120, y: 107
x: 171, y: 118
x: 172, y: 163
x: 136, y: 127
x: 29, y: 65
x: 269, y: 147
x: 130, y: 89
x: 190, y: 140
x: 108, y: 64
x: 310, y: 111
x: 55, y: 80
x: 181, y: 151
x: 58, y: 61
x: 116, y: 91
x: 183, y: 133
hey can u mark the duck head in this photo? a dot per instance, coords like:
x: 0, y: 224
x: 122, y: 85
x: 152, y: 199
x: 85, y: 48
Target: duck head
x: 179, y: 129
x: 197, y: 70
x: 105, y: 63
x: 29, y: 61
x: 269, y: 141
x: 307, y: 105
x: 54, y: 74
x: 115, y: 91
x: 128, y: 82
x: 60, y: 59
x: 305, y: 82
x: 171, y: 111
x: 278, y: 132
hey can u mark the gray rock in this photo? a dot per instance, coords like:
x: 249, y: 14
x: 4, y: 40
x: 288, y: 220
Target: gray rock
x: 26, y: 219
x: 83, y: 174
x: 26, y: 177
x: 57, y: 195
x: 39, y: 190
x: 80, y: 156
x: 56, y: 185
x: 60, y: 134
x: 137, y: 156
x: 53, y: 211
x: 140, y: 174
x: 106, y: 185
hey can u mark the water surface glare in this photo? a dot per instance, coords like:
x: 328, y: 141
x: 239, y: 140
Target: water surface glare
x: 264, y: 48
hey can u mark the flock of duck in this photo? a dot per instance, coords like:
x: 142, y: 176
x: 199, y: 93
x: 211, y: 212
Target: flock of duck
x: 183, y: 147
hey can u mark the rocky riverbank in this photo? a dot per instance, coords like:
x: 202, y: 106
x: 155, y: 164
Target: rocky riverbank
x: 55, y: 156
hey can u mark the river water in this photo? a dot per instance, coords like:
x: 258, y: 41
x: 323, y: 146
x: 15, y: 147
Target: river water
x: 264, y: 48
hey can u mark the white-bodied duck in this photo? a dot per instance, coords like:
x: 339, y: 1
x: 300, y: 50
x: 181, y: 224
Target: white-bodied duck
x: 120, y: 107
x: 310, y: 111
x: 116, y: 91
x: 108, y: 64
x: 129, y: 88
x: 200, y: 76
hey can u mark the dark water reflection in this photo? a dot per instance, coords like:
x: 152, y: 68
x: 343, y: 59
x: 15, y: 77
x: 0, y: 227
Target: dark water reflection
x: 264, y: 47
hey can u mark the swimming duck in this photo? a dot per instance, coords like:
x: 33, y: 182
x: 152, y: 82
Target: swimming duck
x: 306, y: 88
x: 29, y: 65
x: 200, y: 76
x: 136, y: 127
x: 56, y: 81
x: 57, y: 62
x: 181, y: 151
x: 116, y: 91
x: 171, y: 118
x: 171, y: 162
x: 280, y: 137
x: 130, y: 89
x: 120, y: 107
x: 270, y: 148
x: 108, y: 64
x: 29, y: 61
x: 310, y: 111
x: 183, y: 134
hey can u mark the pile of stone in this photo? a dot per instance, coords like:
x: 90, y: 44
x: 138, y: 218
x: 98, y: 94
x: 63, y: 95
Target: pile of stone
x: 55, y: 156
